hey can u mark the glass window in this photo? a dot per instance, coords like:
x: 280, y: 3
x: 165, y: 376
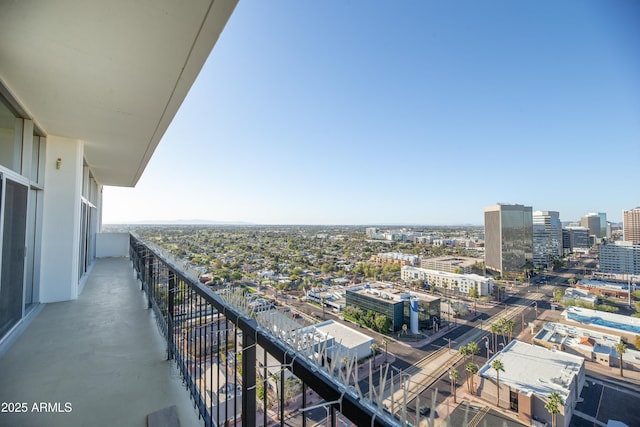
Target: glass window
x: 35, y: 159
x: 10, y: 139
x: 13, y: 254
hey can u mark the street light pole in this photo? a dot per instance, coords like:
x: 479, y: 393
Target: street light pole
x: 450, y: 340
x: 486, y: 345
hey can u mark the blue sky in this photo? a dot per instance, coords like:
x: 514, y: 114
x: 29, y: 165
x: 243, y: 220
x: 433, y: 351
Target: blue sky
x: 403, y: 112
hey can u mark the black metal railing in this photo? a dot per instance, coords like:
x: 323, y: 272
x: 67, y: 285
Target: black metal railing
x: 214, y: 346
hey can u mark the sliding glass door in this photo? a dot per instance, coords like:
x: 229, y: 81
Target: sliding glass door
x: 13, y: 217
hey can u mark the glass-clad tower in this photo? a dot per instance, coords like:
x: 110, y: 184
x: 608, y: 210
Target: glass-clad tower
x: 547, y: 238
x: 508, y: 238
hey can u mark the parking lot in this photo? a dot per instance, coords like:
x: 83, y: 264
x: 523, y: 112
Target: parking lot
x: 604, y: 402
x: 474, y: 415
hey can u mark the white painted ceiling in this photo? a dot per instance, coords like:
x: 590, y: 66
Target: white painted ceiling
x: 111, y: 73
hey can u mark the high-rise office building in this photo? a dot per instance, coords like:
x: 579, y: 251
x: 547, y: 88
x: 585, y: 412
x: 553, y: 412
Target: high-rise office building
x: 575, y: 238
x: 603, y: 224
x: 631, y: 225
x: 547, y: 238
x: 592, y: 222
x: 508, y: 238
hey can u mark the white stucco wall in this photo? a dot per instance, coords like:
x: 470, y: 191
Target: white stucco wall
x: 61, y: 219
x: 112, y: 245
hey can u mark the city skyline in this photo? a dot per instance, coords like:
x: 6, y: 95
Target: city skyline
x: 352, y: 113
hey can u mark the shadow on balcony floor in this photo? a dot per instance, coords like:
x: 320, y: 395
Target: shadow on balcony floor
x: 96, y: 361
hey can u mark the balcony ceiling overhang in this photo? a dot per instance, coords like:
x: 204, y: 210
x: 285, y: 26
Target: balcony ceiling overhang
x: 110, y: 73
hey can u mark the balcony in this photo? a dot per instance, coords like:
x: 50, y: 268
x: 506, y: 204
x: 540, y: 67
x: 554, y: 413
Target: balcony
x: 103, y: 354
x: 110, y: 357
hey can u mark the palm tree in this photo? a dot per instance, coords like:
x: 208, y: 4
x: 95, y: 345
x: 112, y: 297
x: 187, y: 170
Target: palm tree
x: 554, y: 402
x: 471, y: 368
x: 621, y: 348
x: 385, y: 342
x: 498, y: 366
x: 508, y: 327
x: 453, y: 376
x: 374, y: 348
x: 473, y: 349
x: 503, y: 325
x: 495, y: 330
x: 464, y: 351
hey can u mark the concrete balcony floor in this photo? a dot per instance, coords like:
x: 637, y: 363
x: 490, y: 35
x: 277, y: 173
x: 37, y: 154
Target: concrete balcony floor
x: 103, y: 354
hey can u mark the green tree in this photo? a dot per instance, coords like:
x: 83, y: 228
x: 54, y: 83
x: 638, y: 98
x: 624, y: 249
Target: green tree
x: 385, y: 342
x: 554, y: 402
x: 507, y: 327
x: 473, y: 349
x: 471, y: 369
x: 494, y: 328
x: 621, y: 348
x: 374, y: 349
x: 381, y: 322
x: 326, y: 268
x: 464, y: 351
x: 497, y: 366
x: 557, y: 295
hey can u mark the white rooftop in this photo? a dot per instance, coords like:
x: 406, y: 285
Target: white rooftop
x: 471, y: 276
x: 348, y: 337
x: 535, y: 369
x: 572, y: 336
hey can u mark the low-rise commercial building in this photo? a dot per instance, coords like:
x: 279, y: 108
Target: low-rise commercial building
x: 449, y: 282
x: 603, y: 288
x: 420, y: 312
x: 576, y: 294
x: 450, y: 264
x: 626, y: 326
x: 531, y: 373
x: 343, y: 341
x: 332, y: 297
x: 395, y: 258
x: 598, y: 347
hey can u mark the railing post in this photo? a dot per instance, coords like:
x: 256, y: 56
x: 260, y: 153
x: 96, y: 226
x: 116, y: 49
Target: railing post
x: 149, y: 260
x: 304, y: 404
x: 249, y: 380
x: 171, y: 284
x: 332, y: 414
x: 281, y: 406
